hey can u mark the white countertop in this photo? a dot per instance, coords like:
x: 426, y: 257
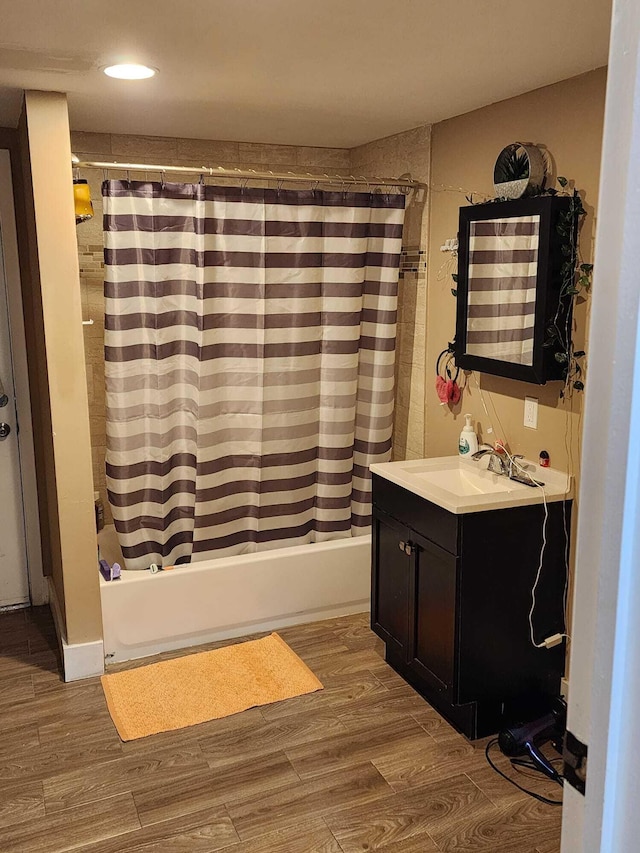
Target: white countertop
x: 462, y: 485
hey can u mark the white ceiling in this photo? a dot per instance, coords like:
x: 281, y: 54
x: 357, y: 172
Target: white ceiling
x: 306, y: 72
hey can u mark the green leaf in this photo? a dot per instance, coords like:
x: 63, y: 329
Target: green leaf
x: 454, y: 292
x: 561, y: 357
x: 579, y: 353
x: 578, y: 385
x: 586, y: 267
x: 562, y: 181
x: 454, y: 276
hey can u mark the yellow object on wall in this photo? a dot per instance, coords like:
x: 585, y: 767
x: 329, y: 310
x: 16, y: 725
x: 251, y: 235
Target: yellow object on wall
x: 82, y: 200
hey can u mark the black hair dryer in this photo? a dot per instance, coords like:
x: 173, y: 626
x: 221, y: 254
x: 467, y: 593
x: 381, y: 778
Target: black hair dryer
x: 526, y: 739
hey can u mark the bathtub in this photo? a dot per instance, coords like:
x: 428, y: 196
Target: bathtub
x: 210, y: 600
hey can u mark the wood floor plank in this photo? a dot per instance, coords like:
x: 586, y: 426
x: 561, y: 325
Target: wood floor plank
x: 415, y: 844
x: 430, y: 763
x: 358, y: 636
x: 14, y: 655
x: 550, y: 844
x: 15, y: 689
x: 21, y: 803
x: 208, y: 788
x: 72, y: 828
x: 514, y: 825
x: 313, y: 837
x: 13, y: 623
x: 380, y: 709
x: 297, y: 803
x: 56, y: 707
x: 349, y: 663
x: 431, y: 721
x: 273, y: 736
x: 343, y: 692
x: 501, y: 792
x: 403, y: 737
x: 16, y: 740
x: 27, y: 765
x: 226, y: 727
x: 409, y: 814
x: 122, y: 775
x: 155, y: 837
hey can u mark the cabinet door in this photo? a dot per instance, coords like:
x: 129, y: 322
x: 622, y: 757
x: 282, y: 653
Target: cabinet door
x: 390, y: 582
x: 432, y: 637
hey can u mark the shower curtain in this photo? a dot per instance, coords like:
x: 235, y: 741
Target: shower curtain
x: 249, y: 348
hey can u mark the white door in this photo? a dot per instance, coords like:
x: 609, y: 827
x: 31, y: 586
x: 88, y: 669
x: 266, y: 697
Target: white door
x: 604, y: 673
x: 14, y: 579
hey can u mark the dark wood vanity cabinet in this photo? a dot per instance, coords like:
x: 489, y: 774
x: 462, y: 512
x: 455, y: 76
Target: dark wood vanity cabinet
x: 451, y: 596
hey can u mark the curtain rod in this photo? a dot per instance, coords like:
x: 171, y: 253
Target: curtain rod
x: 342, y: 180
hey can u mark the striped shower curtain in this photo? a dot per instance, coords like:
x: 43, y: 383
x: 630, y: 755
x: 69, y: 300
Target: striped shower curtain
x: 249, y: 345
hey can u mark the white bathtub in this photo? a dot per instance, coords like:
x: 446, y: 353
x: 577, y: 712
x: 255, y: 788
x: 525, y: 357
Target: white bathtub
x: 144, y: 614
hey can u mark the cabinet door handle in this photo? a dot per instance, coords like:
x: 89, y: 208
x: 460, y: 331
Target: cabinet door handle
x: 407, y: 547
x: 402, y: 545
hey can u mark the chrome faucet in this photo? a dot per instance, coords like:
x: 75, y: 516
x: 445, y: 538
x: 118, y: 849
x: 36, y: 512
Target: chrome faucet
x: 506, y: 467
x: 496, y: 463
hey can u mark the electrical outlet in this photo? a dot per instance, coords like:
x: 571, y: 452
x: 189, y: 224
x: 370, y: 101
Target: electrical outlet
x: 531, y: 412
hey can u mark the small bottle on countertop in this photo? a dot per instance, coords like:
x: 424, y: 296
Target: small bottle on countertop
x: 468, y: 443
x: 544, y: 459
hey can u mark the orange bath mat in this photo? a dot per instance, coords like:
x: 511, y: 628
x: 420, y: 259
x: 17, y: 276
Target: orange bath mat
x: 161, y: 697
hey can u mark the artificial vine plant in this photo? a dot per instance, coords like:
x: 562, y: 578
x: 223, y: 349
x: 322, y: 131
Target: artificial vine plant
x: 575, y: 279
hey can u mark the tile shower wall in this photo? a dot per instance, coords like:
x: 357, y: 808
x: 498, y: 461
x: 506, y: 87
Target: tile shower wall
x: 171, y: 152
x: 408, y: 152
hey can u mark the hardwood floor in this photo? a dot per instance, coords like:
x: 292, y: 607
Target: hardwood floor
x: 364, y: 764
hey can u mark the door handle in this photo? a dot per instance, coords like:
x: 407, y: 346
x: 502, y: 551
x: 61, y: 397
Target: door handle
x: 5, y: 429
x: 407, y: 547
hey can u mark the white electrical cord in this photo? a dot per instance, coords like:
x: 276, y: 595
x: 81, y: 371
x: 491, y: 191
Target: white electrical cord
x: 554, y: 639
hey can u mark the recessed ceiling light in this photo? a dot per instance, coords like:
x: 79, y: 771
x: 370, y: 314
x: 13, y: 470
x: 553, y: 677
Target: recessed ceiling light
x: 129, y: 71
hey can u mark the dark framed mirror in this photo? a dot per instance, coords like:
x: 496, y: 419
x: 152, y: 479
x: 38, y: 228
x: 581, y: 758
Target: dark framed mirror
x: 509, y: 279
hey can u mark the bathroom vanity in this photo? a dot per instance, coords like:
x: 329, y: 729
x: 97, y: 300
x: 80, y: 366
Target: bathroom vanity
x: 455, y: 553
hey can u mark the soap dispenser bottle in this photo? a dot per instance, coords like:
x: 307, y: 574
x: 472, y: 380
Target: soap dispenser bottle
x: 468, y: 443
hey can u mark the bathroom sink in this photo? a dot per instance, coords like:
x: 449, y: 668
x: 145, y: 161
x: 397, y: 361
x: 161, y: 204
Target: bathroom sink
x: 465, y: 481
x: 464, y: 485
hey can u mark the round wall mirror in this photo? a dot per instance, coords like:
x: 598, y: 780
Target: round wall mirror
x: 519, y: 171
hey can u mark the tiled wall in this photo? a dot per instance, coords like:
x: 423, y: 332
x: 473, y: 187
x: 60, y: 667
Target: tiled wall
x: 171, y: 152
x: 397, y: 155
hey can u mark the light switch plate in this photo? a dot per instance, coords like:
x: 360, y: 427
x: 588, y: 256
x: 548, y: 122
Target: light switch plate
x: 531, y: 412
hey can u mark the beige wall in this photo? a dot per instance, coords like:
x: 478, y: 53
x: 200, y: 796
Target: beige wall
x: 566, y: 119
x: 166, y: 152
x: 56, y: 363
x: 393, y: 156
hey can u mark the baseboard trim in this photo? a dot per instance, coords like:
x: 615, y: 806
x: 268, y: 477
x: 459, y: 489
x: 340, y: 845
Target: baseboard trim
x: 79, y: 660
